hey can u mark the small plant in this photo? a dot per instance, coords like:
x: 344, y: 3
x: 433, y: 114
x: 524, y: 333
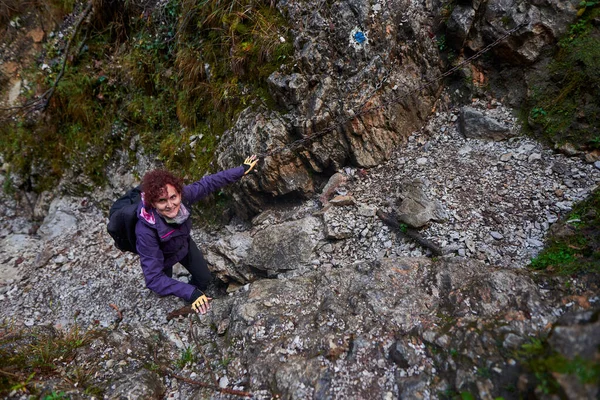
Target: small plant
x: 225, y: 362
x: 447, y: 10
x: 7, y: 185
x: 553, y: 257
x: 484, y: 372
x: 586, y: 5
x: 538, y: 112
x: 152, y: 367
x: 448, y: 394
x: 55, y: 396
x: 466, y: 396
x: 188, y: 356
x: 441, y: 42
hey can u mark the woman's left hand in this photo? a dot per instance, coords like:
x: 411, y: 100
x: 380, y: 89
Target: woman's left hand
x: 249, y: 163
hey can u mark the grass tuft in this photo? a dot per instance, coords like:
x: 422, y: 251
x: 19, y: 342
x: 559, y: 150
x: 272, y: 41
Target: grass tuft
x: 29, y: 357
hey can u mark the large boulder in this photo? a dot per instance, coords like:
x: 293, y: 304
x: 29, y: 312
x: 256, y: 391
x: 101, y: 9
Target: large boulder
x: 415, y: 208
x: 476, y: 125
x: 59, y: 222
x: 284, y: 247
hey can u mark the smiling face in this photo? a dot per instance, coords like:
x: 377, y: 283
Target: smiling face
x: 169, y: 202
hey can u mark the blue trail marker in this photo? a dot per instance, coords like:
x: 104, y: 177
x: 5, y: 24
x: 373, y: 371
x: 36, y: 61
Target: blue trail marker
x: 360, y: 37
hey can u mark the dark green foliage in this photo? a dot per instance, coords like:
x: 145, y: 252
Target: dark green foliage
x: 565, y: 106
x: 164, y: 75
x: 542, y: 362
x: 578, y: 251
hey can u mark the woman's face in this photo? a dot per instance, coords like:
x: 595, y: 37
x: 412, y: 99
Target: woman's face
x: 169, y: 202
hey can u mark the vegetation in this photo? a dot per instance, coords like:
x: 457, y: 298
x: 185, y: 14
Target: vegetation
x: 542, y: 362
x: 565, y: 106
x: 29, y: 358
x: 174, y: 78
x: 577, y: 250
x: 188, y: 357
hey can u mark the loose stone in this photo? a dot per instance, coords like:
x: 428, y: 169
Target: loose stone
x: 497, y: 235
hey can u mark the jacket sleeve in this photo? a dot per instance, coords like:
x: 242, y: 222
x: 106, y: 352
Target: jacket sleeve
x: 210, y: 183
x: 152, y: 261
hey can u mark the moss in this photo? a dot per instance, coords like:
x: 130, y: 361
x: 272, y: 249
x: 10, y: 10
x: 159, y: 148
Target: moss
x: 565, y: 104
x: 537, y: 356
x: 578, y: 251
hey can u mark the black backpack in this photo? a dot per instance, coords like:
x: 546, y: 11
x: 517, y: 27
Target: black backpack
x: 122, y: 219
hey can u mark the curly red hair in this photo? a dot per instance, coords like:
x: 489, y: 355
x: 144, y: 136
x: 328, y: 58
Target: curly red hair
x: 154, y: 183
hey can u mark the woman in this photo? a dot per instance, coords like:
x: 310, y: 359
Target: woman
x: 163, y: 231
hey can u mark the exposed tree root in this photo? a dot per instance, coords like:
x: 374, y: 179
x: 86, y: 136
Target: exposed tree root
x: 392, y: 221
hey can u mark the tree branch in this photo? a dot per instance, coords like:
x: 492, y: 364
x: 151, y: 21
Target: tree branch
x: 391, y: 220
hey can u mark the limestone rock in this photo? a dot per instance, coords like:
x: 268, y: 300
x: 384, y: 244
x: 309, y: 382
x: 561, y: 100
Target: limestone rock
x: 59, y: 222
x: 337, y: 180
x: 352, y: 314
x: 577, y: 336
x: 226, y: 258
x: 284, y: 247
x: 321, y: 102
x: 459, y: 24
x: 343, y: 201
x: 415, y: 208
x: 476, y: 125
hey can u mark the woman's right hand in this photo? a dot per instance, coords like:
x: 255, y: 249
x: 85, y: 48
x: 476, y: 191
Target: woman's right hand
x: 201, y: 304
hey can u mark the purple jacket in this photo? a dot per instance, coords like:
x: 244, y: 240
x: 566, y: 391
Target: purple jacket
x: 161, y: 245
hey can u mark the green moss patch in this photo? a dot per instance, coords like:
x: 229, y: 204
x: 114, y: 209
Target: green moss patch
x: 576, y: 247
x: 565, y: 105
x: 543, y: 362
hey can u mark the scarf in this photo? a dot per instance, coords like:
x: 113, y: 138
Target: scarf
x: 182, y: 215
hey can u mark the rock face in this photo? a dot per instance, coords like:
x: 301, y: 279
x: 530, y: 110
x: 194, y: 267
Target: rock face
x: 474, y: 24
x: 352, y: 56
x: 349, y: 308
x: 389, y: 322
x: 471, y: 26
